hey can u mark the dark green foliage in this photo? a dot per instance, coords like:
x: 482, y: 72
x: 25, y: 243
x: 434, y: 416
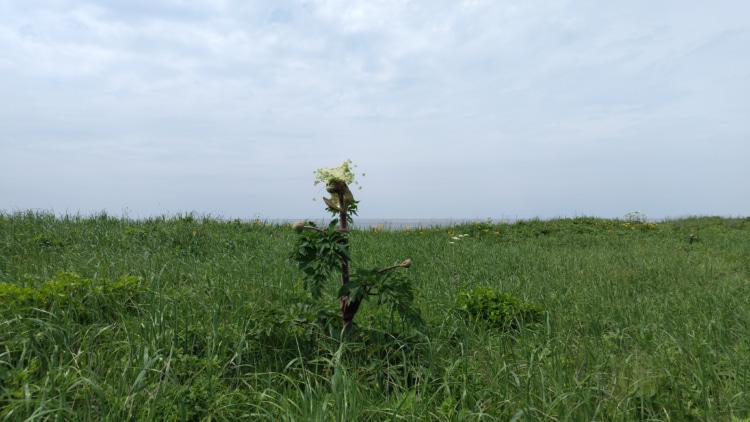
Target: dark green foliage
x: 319, y: 255
x: 499, y: 310
x: 391, y: 362
x: 296, y: 318
x: 391, y: 288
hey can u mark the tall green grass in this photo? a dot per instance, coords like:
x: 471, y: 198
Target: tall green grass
x: 191, y: 318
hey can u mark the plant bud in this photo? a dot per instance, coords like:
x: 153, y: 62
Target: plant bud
x: 337, y: 186
x: 298, y: 226
x: 406, y: 264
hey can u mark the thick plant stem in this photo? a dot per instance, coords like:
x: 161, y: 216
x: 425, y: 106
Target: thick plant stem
x: 348, y: 310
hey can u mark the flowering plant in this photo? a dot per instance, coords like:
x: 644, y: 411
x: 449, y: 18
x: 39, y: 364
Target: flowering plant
x: 322, y: 252
x: 636, y: 216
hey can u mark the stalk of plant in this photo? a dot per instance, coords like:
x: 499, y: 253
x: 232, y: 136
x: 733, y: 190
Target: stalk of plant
x: 320, y: 252
x: 348, y: 308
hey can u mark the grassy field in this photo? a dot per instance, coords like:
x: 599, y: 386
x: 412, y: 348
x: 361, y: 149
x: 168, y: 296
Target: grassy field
x: 190, y: 318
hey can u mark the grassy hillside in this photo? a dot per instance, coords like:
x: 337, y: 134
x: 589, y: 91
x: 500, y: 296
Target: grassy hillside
x: 189, y: 318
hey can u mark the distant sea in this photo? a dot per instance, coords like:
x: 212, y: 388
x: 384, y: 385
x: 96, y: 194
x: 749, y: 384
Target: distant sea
x: 392, y: 223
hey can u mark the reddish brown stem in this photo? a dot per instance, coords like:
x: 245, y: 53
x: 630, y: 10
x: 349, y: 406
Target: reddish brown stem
x: 348, y: 310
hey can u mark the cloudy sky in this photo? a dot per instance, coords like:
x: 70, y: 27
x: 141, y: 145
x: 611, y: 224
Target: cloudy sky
x: 453, y: 109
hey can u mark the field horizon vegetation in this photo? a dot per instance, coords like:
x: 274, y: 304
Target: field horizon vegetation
x: 190, y: 318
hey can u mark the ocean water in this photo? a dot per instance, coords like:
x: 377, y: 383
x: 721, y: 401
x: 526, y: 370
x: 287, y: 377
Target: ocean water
x: 393, y: 223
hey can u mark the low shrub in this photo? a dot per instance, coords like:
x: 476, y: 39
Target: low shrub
x: 69, y: 292
x: 499, y: 310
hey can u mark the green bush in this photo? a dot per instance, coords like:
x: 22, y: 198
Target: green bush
x: 15, y: 296
x: 499, y: 310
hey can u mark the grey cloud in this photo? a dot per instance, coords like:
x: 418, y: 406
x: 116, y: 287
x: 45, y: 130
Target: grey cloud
x: 537, y: 105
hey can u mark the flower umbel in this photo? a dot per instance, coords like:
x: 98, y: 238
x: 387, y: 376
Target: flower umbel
x: 342, y: 173
x: 337, y: 180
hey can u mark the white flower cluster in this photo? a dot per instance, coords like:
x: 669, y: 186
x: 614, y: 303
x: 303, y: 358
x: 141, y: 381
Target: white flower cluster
x: 636, y: 216
x: 343, y: 172
x: 459, y: 237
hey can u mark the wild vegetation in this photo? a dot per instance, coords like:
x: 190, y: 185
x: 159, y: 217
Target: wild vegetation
x: 193, y: 318
x: 320, y: 252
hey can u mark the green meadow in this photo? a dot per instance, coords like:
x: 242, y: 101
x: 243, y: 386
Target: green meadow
x: 189, y: 318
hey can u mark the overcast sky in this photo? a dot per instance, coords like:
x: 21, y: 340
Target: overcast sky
x: 453, y: 109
